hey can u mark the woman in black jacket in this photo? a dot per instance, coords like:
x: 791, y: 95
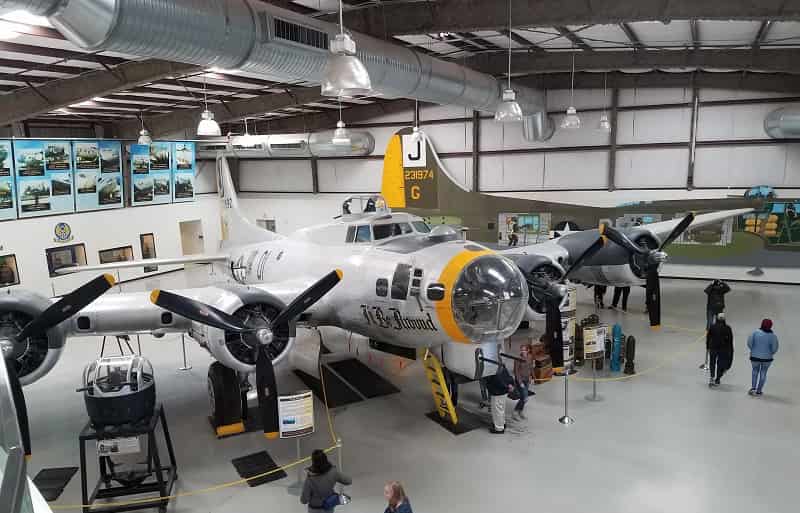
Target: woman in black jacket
x: 320, y: 482
x: 719, y: 342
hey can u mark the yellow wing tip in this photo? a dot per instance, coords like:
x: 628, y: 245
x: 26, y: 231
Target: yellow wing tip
x: 110, y: 279
x: 154, y: 296
x: 339, y: 273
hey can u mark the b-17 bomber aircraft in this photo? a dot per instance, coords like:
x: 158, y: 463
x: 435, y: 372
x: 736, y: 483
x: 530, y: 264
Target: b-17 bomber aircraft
x: 383, y: 275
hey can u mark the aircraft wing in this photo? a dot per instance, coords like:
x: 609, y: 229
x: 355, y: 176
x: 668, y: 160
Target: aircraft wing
x: 189, y: 259
x: 663, y: 228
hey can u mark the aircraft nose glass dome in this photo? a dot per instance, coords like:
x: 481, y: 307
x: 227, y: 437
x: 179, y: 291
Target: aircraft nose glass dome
x: 489, y: 298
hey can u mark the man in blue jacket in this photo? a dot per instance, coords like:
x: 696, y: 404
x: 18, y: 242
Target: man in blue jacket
x: 763, y: 345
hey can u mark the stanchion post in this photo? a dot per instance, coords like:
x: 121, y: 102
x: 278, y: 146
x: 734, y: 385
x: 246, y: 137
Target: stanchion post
x: 566, y: 419
x: 296, y: 488
x: 186, y: 366
x: 593, y: 396
x: 339, y: 451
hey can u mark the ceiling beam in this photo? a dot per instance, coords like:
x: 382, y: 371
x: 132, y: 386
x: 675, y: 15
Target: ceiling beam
x: 574, y: 38
x: 59, y: 53
x: 472, y: 15
x: 763, y: 30
x: 777, y: 60
x: 28, y: 102
x: 631, y: 35
x: 187, y: 119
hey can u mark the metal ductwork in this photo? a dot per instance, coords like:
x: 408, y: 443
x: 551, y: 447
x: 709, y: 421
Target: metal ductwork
x: 287, y: 146
x: 539, y: 127
x: 277, y: 44
x: 783, y: 123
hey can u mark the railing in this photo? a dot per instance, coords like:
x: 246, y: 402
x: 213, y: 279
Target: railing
x: 14, y: 494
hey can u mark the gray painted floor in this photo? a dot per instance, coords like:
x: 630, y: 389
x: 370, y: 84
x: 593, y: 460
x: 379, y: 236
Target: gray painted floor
x: 661, y: 441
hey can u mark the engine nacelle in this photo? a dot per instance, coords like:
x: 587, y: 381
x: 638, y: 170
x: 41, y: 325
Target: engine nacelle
x: 645, y: 239
x: 36, y: 355
x: 256, y: 308
x: 538, y: 265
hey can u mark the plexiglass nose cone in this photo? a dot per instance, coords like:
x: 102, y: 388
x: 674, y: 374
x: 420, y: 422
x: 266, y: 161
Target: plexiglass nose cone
x: 489, y: 298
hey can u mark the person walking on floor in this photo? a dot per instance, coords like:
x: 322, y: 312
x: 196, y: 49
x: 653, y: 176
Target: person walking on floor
x: 318, y: 487
x: 499, y: 386
x: 599, y: 296
x: 522, y: 375
x: 715, y: 304
x: 763, y: 345
x: 624, y: 292
x: 396, y: 497
x: 719, y: 344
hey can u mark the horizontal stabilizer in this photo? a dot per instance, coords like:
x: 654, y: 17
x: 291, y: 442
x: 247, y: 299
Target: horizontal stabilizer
x: 189, y: 259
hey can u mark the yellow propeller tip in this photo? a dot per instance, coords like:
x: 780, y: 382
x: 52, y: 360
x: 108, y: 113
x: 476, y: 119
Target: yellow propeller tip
x: 110, y: 279
x: 339, y: 273
x: 602, y: 229
x: 154, y: 296
x: 604, y: 239
x: 657, y: 327
x: 272, y: 435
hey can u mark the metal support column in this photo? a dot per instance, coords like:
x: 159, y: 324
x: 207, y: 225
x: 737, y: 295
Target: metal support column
x: 612, y: 152
x: 476, y: 151
x: 314, y: 175
x: 693, y: 136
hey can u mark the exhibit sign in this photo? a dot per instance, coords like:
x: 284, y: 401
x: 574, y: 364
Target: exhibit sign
x: 183, y: 172
x: 44, y: 177
x: 594, y: 341
x: 8, y: 203
x: 98, y: 175
x: 151, y: 175
x: 296, y: 414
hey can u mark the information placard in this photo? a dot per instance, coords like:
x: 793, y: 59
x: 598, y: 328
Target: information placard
x: 98, y: 176
x: 183, y: 172
x: 8, y: 202
x: 594, y: 341
x: 296, y: 414
x: 44, y: 177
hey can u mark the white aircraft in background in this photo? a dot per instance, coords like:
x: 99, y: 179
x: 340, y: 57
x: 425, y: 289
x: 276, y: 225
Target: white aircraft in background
x: 383, y: 275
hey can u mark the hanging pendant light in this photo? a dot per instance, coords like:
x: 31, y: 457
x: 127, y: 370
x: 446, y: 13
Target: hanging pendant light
x: 207, y: 127
x: 416, y: 134
x: 144, y: 134
x: 571, y: 121
x: 604, y: 125
x: 341, y: 136
x: 508, y: 110
x: 246, y: 140
x: 345, y: 74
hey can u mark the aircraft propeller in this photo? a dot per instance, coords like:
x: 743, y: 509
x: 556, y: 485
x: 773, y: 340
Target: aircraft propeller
x: 53, y: 315
x: 552, y: 293
x: 651, y: 258
x: 265, y: 372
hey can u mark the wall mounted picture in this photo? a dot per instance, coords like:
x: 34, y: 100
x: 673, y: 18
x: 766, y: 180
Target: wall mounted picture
x: 183, y: 172
x: 121, y: 254
x: 142, y: 190
x: 148, y: 245
x: 98, y: 179
x: 65, y: 256
x: 44, y: 177
x: 160, y: 156
x: 57, y: 156
x: 8, y: 206
x: 9, y: 274
x: 151, y: 174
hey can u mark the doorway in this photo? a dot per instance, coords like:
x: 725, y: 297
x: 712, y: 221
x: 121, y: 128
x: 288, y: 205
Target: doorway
x: 192, y: 240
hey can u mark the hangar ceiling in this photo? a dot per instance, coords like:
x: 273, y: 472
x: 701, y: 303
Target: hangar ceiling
x: 45, y: 79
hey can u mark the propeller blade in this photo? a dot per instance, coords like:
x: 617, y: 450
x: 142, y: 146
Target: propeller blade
x: 20, y: 406
x: 621, y: 239
x: 196, y: 311
x: 653, y: 299
x: 590, y: 251
x: 310, y: 296
x: 678, y: 230
x: 67, y: 306
x: 267, y: 389
x: 555, y: 334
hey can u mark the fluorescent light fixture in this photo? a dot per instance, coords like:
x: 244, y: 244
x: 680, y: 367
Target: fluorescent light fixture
x: 144, y: 137
x: 508, y: 110
x: 208, y: 127
x: 604, y: 125
x: 571, y: 120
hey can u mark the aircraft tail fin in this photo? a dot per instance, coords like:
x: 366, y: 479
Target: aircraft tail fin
x: 237, y: 229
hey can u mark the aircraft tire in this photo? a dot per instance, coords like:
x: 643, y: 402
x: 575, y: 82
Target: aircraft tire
x: 224, y: 395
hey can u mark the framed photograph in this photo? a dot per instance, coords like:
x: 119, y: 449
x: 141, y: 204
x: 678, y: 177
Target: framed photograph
x: 121, y: 254
x: 9, y: 274
x: 148, y: 245
x: 65, y: 256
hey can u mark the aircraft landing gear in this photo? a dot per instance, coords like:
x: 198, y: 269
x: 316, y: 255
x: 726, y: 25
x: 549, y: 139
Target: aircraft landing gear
x: 228, y: 402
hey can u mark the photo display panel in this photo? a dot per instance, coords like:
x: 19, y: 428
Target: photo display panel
x: 8, y: 202
x: 151, y: 173
x: 44, y: 177
x: 98, y: 175
x: 183, y: 172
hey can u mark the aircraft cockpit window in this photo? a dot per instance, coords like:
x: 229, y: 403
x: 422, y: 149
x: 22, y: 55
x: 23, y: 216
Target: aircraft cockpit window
x: 363, y: 234
x: 421, y: 226
x: 351, y: 234
x: 383, y: 231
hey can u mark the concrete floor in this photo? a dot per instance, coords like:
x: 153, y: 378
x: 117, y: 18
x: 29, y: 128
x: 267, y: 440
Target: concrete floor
x: 662, y: 441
